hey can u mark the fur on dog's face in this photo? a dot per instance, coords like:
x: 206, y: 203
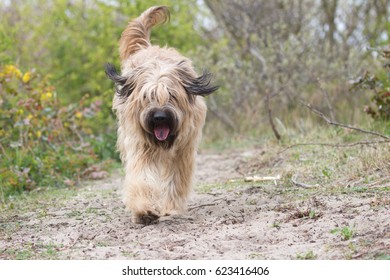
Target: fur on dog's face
x: 157, y: 95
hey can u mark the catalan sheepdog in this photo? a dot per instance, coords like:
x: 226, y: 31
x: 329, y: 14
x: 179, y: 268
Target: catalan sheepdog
x: 160, y: 111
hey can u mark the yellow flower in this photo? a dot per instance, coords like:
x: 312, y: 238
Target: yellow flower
x: 46, y: 96
x: 12, y: 70
x: 79, y: 115
x: 26, y: 77
x: 9, y: 69
x: 18, y: 73
x: 38, y: 134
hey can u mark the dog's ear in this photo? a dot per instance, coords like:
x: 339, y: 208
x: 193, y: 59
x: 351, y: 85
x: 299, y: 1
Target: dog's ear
x: 123, y: 86
x: 196, y: 85
x: 113, y: 75
x: 200, y: 85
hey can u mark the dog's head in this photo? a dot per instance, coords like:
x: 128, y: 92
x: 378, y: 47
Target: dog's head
x: 160, y: 96
x: 158, y: 92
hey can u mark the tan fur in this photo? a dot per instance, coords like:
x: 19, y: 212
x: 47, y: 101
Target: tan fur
x: 157, y: 180
x: 137, y: 33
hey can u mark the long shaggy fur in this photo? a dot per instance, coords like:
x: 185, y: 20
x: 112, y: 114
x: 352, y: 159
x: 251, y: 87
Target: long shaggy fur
x: 160, y: 111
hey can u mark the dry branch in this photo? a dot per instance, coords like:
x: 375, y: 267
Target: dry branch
x: 275, y: 131
x: 335, y: 145
x: 200, y: 206
x: 299, y: 184
x: 260, y: 179
x: 329, y: 121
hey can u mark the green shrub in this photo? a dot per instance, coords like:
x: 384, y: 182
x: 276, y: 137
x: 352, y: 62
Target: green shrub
x: 379, y: 83
x: 71, y: 41
x: 41, y: 141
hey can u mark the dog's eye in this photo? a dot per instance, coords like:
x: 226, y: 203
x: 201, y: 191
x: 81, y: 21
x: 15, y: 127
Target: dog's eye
x: 172, y: 97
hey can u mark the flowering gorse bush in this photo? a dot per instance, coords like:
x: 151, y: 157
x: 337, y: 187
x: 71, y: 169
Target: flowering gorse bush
x: 42, y: 142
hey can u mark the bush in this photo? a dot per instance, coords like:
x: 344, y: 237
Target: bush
x: 42, y: 142
x: 380, y: 85
x: 72, y: 40
x: 47, y: 133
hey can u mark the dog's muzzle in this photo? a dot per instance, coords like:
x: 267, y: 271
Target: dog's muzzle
x: 162, y: 124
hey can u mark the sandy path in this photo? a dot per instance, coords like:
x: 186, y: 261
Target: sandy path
x: 225, y: 221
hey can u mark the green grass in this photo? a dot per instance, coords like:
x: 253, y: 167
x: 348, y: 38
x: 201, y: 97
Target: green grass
x: 33, y: 251
x: 130, y: 255
x: 16, y: 254
x: 276, y: 225
x: 229, y: 185
x: 92, y: 210
x: 306, y: 256
x: 312, y: 214
x: 382, y: 256
x: 49, y: 252
x: 254, y: 256
x: 38, y: 200
x: 346, y: 233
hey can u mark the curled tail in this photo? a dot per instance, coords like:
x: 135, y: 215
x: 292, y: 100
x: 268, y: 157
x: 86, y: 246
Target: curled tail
x: 136, y: 36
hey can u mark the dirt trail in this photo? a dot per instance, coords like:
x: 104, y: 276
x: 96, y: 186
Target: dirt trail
x: 226, y: 220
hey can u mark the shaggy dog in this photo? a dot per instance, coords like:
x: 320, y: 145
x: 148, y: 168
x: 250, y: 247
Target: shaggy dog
x: 160, y: 111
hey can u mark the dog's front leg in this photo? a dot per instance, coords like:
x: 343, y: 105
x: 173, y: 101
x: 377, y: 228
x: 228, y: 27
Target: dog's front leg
x: 139, y: 198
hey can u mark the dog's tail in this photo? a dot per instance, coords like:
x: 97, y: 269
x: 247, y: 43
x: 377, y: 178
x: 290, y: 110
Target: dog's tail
x: 136, y: 36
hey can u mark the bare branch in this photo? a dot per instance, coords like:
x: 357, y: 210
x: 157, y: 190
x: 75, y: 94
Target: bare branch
x: 201, y: 206
x: 299, y: 184
x: 335, y: 145
x: 271, y: 121
x: 329, y: 121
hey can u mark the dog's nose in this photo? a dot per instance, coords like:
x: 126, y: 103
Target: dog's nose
x: 160, y: 116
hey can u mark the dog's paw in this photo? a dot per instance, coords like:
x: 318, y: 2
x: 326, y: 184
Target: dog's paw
x: 145, y: 218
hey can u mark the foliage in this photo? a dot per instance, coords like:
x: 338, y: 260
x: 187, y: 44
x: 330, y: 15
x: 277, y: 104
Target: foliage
x: 42, y: 142
x: 284, y: 49
x: 52, y: 133
x: 72, y: 40
x: 289, y: 51
x: 380, y: 85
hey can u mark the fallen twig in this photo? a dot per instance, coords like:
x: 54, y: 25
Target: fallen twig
x: 299, y: 184
x: 353, y: 183
x: 260, y: 179
x: 199, y: 206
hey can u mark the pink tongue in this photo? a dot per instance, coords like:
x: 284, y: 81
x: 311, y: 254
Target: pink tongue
x: 161, y: 132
